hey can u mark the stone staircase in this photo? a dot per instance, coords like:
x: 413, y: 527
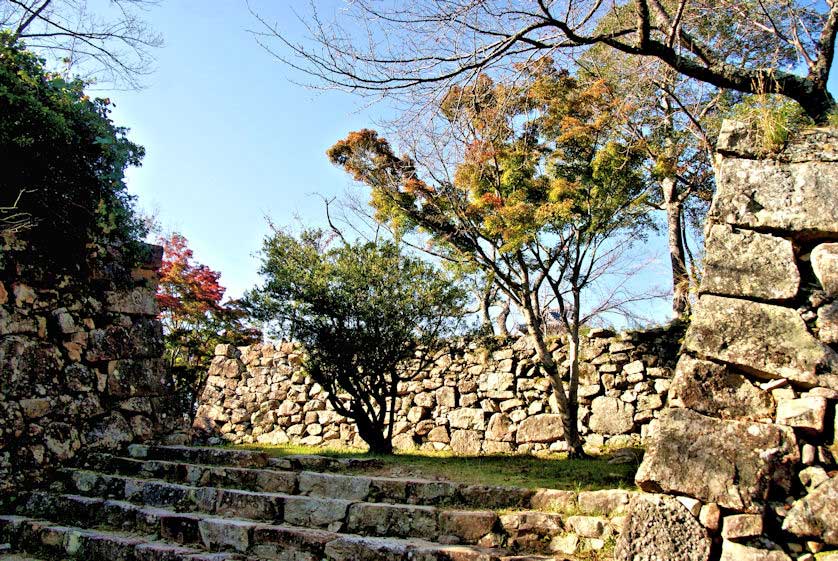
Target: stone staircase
x: 172, y: 503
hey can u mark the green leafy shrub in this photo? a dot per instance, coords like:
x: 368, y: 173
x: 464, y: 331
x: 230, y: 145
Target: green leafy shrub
x: 359, y: 310
x: 62, y: 160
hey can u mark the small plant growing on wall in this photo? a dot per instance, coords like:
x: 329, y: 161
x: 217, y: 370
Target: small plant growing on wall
x: 360, y: 310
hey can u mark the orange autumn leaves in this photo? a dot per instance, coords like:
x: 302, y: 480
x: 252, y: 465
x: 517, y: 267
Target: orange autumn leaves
x: 536, y: 152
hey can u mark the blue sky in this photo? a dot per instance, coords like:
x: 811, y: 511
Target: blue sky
x: 230, y: 139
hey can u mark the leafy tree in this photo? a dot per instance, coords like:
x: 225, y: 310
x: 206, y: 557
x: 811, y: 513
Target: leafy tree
x: 194, y: 318
x: 112, y: 44
x: 543, y: 193
x: 675, y: 120
x: 360, y: 310
x: 63, y: 161
x: 431, y: 44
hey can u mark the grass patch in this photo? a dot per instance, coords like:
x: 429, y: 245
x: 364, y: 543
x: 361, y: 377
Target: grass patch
x: 553, y: 472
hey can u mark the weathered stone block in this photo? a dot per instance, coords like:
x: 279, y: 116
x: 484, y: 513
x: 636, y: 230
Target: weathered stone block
x: 746, y: 263
x: 659, y: 527
x: 769, y: 194
x: 500, y: 427
x: 130, y: 378
x: 732, y: 551
x: 732, y: 463
x: 714, y: 390
x: 805, y: 413
x: 466, y: 442
x: 610, y: 415
x: 334, y: 486
x: 740, y: 526
x: 540, y: 428
x: 468, y: 525
x: 828, y: 323
x: 138, y: 301
x: 766, y: 339
x: 467, y: 419
x: 825, y: 264
x: 380, y: 519
x: 816, y: 514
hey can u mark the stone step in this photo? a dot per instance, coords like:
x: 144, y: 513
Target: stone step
x: 319, y: 484
x: 378, y: 519
x: 247, y: 458
x: 56, y: 542
x: 261, y: 541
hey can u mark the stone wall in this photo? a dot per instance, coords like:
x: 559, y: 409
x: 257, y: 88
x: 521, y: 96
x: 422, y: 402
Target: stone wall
x: 470, y: 400
x: 747, y: 444
x: 80, y: 359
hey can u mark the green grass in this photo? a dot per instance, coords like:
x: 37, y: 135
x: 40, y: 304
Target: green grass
x: 553, y: 472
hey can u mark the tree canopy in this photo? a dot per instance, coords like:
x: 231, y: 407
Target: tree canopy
x: 360, y: 310
x: 544, y: 193
x: 63, y: 159
x: 194, y: 317
x: 426, y: 46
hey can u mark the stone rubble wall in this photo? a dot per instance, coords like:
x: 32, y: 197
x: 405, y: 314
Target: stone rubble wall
x: 469, y: 400
x: 80, y: 360
x: 742, y: 462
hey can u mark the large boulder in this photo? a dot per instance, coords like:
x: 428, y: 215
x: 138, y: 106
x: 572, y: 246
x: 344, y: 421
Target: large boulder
x: 610, y: 415
x: 769, y: 340
x: 541, y: 428
x: 715, y: 390
x: 660, y: 527
x: 733, y: 463
x: 769, y: 194
x: 467, y: 418
x: 745, y: 263
x: 816, y: 514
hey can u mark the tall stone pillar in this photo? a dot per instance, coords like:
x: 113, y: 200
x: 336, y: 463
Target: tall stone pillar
x: 741, y: 466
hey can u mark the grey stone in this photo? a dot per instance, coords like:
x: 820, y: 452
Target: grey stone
x: 732, y: 551
x: 392, y: 520
x: 733, y: 463
x: 746, y: 263
x: 587, y: 526
x: 610, y: 415
x: 500, y: 428
x: 224, y: 533
x: 770, y: 194
x: 466, y: 442
x: 739, y: 526
x: 807, y: 412
x: 540, y: 428
x: 659, y: 527
x: 315, y: 512
x: 816, y: 514
x: 603, y: 502
x: 768, y: 340
x: 468, y: 525
x: 825, y: 264
x: 350, y: 487
x: 467, y: 419
x: 828, y: 323
x: 715, y: 390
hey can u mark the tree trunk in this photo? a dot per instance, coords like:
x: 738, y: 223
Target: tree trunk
x: 568, y: 410
x: 503, y: 331
x: 373, y: 435
x: 571, y: 419
x: 818, y: 104
x: 677, y: 256
x: 486, y: 327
